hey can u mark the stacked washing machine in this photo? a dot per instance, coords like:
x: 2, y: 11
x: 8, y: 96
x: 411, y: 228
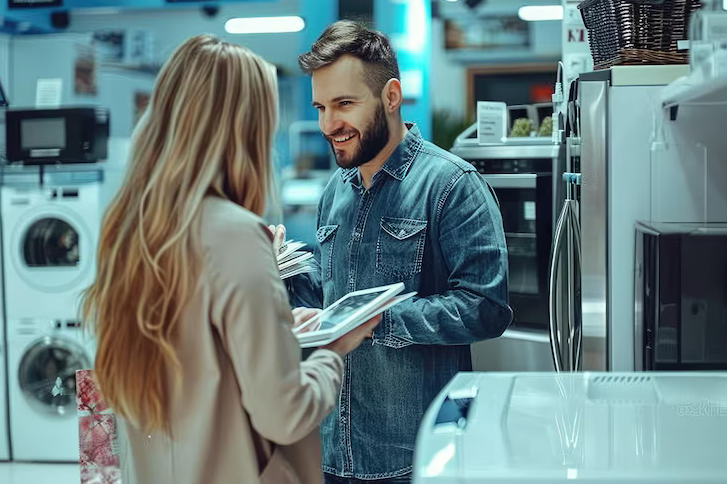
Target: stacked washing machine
x: 51, y: 219
x: 4, y: 421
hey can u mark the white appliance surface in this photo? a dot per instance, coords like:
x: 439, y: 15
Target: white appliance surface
x: 50, y: 234
x: 646, y: 428
x: 42, y: 362
x: 24, y: 473
x: 4, y: 432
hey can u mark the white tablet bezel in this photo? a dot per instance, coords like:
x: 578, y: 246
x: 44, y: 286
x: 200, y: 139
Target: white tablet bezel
x: 323, y: 337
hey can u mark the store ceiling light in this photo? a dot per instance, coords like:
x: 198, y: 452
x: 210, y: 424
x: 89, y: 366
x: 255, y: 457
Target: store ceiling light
x: 534, y: 13
x: 264, y: 25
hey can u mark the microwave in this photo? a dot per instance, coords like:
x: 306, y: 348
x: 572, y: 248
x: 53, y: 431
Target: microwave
x: 56, y: 136
x: 680, y: 297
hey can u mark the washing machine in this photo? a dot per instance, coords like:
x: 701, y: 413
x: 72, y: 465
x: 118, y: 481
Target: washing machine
x: 51, y: 218
x: 51, y: 224
x: 4, y: 431
x: 43, y: 356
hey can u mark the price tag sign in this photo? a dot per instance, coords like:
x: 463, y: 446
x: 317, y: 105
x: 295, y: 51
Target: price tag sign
x: 491, y: 122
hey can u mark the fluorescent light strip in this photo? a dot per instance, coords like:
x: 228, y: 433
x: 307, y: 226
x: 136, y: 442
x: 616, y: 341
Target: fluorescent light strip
x: 534, y: 13
x: 264, y: 25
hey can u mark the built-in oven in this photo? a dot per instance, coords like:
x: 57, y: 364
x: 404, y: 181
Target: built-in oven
x: 525, y: 175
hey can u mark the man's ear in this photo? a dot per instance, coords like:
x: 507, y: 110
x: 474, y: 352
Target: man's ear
x: 392, y: 96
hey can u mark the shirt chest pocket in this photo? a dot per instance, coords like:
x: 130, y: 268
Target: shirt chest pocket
x: 326, y: 236
x: 400, y: 247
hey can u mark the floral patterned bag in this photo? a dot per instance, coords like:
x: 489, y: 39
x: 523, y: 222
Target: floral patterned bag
x: 97, y: 432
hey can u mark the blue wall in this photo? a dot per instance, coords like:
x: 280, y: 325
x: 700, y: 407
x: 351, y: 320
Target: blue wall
x: 318, y: 15
x: 408, y: 23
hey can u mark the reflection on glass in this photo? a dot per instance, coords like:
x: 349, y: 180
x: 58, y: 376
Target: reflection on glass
x: 51, y: 242
x: 47, y: 376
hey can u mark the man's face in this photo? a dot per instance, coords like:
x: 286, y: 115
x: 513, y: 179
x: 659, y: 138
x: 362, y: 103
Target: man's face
x: 350, y: 116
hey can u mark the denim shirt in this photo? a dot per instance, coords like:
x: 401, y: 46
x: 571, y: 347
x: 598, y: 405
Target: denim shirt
x: 431, y: 221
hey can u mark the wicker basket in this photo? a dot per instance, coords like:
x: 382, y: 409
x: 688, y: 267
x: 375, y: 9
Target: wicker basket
x: 637, y: 32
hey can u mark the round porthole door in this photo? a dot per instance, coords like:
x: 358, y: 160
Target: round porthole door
x: 54, y: 249
x: 47, y: 375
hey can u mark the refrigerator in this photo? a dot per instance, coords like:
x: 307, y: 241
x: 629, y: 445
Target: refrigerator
x: 613, y: 117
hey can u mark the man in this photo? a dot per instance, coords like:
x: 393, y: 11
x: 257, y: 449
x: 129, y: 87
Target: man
x: 399, y: 209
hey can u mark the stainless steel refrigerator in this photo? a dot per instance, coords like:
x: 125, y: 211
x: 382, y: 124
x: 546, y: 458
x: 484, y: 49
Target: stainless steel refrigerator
x: 613, y: 118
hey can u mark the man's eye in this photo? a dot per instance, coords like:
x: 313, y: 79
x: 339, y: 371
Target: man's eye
x: 319, y: 108
x: 345, y: 103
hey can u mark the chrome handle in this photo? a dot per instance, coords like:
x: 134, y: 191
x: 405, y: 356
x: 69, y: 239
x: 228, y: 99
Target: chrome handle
x: 553, y: 320
x: 578, y: 325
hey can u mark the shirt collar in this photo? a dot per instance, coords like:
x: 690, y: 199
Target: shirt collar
x: 398, y: 164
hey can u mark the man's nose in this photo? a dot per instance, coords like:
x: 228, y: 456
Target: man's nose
x: 330, y: 123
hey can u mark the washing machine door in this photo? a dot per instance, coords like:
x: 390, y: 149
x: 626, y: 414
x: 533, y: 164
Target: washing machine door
x: 47, y: 374
x: 54, y: 249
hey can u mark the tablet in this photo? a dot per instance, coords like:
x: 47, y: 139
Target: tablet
x: 347, y: 313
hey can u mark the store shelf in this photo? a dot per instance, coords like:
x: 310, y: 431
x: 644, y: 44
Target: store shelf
x: 710, y: 93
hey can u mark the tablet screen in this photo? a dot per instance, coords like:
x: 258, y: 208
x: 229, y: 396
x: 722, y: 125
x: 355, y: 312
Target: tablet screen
x: 344, y: 309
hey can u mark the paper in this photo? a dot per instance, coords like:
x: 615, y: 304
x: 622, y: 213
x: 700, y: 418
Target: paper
x: 491, y: 122
x: 292, y: 262
x: 48, y: 93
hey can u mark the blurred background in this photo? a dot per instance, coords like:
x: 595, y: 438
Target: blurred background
x: 451, y: 54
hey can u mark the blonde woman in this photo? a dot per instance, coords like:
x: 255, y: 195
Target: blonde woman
x: 195, y: 348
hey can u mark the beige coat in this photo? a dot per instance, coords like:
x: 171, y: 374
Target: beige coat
x: 250, y: 409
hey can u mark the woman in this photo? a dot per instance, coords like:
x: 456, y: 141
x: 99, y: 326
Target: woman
x: 195, y: 348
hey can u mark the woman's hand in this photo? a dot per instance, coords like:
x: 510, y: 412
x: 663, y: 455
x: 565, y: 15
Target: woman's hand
x: 278, y: 237
x: 351, y: 340
x: 302, y: 315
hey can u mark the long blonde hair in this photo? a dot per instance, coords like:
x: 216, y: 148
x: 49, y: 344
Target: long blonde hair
x: 209, y: 126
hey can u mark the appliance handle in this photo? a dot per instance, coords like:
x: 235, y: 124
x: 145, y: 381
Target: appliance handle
x: 553, y: 284
x: 515, y: 180
x: 578, y: 326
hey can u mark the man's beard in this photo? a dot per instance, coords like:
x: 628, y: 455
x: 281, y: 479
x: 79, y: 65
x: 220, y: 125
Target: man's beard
x: 371, y: 141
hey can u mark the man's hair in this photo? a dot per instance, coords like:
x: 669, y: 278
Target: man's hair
x: 352, y: 38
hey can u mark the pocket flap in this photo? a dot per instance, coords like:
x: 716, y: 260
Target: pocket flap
x: 324, y: 232
x: 402, y: 228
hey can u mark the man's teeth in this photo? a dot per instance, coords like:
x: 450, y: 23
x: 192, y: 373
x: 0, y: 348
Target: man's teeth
x: 341, y: 140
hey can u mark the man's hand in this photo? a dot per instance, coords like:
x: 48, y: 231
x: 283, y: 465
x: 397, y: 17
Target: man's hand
x: 302, y: 315
x: 278, y: 237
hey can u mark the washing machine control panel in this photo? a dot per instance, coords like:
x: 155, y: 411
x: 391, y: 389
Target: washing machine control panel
x: 31, y: 326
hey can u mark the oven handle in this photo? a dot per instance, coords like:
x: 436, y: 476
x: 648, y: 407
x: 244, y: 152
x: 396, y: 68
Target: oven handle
x: 514, y: 180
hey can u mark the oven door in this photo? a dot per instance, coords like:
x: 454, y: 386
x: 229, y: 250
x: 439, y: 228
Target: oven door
x: 526, y: 204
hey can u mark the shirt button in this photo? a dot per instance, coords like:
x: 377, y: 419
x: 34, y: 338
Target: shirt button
x: 402, y: 232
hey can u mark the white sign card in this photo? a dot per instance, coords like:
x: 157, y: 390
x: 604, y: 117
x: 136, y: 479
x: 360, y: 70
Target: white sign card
x: 491, y: 122
x: 48, y: 93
